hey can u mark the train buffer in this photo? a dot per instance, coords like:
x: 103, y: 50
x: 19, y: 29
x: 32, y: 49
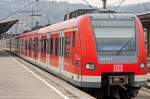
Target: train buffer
x: 22, y: 80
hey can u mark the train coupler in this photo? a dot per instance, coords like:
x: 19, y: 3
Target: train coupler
x: 118, y: 80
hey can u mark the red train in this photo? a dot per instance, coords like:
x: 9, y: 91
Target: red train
x: 97, y: 50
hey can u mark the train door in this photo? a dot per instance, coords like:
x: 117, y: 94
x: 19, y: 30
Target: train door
x: 51, y: 52
x: 68, y: 52
x: 71, y: 52
x: 30, y: 48
x: 61, y: 52
x: 26, y: 46
x: 43, y: 48
x: 21, y: 46
x: 9, y: 44
x: 48, y: 49
x: 54, y: 50
x: 17, y: 45
x: 35, y: 48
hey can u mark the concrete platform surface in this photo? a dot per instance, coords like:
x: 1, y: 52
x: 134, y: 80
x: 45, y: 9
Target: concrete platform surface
x: 18, y: 82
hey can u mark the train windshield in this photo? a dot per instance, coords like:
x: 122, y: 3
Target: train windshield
x: 115, y: 37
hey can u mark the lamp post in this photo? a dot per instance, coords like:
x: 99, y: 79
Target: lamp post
x: 104, y: 3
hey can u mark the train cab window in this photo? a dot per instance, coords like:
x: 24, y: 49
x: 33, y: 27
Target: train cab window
x: 67, y: 46
x: 56, y: 46
x: 51, y: 45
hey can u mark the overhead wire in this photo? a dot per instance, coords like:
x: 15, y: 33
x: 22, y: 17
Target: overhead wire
x: 114, y: 3
x: 13, y: 13
x: 88, y: 4
x: 118, y: 5
x: 47, y: 15
x: 145, y: 7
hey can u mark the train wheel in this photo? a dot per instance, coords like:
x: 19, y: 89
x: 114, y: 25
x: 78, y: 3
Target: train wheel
x: 101, y: 94
x: 124, y: 95
x: 129, y: 93
x: 98, y: 93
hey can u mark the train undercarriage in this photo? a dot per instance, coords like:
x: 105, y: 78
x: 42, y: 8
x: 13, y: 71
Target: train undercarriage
x: 116, y: 87
x: 117, y: 92
x: 119, y: 86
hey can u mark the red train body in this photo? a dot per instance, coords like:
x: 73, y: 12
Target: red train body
x: 92, y: 50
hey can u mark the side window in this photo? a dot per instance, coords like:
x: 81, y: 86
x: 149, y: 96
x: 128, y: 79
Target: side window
x: 33, y: 45
x: 73, y: 39
x: 48, y: 44
x: 17, y: 42
x: 67, y: 46
x: 30, y: 44
x: 26, y: 44
x: 51, y: 45
x: 56, y: 46
x: 36, y: 45
x: 40, y: 47
x: 43, y: 45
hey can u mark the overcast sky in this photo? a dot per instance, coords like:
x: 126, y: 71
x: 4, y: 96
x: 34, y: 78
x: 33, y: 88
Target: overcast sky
x: 98, y: 3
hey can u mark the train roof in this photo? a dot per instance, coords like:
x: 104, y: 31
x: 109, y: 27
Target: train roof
x: 111, y: 16
x: 80, y: 12
x: 53, y: 28
x: 72, y: 23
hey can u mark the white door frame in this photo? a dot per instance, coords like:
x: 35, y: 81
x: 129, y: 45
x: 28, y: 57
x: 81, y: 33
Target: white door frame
x: 61, y: 55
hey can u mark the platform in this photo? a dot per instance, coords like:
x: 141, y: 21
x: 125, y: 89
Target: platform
x: 21, y: 80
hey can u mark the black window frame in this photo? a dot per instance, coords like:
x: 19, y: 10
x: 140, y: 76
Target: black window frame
x: 56, y: 46
x: 67, y: 46
x: 73, y: 39
x: 51, y: 45
x: 44, y: 45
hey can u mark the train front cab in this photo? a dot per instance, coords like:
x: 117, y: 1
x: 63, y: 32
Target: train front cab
x: 113, y: 53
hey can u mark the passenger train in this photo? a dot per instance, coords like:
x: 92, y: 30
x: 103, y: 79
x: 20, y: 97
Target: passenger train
x: 94, y: 50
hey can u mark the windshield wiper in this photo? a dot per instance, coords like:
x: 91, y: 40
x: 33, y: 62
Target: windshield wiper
x: 117, y: 53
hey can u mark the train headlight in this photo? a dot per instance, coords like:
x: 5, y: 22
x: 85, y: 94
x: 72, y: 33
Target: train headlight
x: 90, y: 66
x: 142, y: 65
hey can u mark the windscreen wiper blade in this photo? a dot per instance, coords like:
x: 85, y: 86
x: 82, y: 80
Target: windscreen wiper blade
x: 117, y: 53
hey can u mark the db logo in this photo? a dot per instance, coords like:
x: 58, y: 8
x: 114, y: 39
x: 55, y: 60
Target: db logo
x: 118, y: 68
